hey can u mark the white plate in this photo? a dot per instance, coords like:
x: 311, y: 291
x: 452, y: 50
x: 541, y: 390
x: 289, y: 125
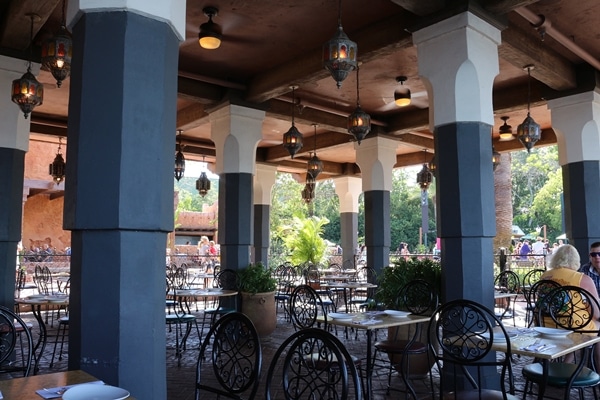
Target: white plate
x: 93, y: 391
x: 342, y: 316
x: 397, y: 314
x: 552, y: 331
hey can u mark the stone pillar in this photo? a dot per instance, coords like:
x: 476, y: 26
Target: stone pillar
x: 376, y: 157
x: 348, y: 188
x: 264, y: 179
x: 576, y: 121
x: 14, y: 143
x: 119, y: 187
x: 462, y: 119
x: 236, y: 132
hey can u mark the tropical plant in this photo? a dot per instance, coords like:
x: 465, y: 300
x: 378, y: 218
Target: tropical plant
x: 394, y: 277
x: 303, y: 239
x: 256, y: 278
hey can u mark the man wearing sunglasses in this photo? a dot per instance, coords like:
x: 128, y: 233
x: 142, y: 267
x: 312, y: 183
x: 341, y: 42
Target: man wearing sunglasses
x: 592, y: 268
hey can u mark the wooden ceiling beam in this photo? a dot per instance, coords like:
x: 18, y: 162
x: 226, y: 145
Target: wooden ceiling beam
x: 201, y: 92
x: 550, y: 68
x: 15, y: 31
x: 191, y: 116
x: 375, y: 41
x: 500, y: 7
x: 420, y: 142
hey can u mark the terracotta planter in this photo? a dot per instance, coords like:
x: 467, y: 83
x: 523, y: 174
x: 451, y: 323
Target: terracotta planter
x: 419, y: 364
x: 260, y: 308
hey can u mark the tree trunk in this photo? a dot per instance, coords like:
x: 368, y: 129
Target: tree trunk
x: 503, y: 196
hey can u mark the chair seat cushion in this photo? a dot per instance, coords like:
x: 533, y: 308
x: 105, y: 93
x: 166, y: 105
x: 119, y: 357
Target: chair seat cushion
x: 400, y: 346
x: 559, y: 374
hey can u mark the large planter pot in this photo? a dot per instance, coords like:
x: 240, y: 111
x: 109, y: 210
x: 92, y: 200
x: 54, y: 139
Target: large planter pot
x: 260, y: 308
x: 420, y: 364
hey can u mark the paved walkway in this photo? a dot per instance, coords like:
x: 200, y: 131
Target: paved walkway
x: 180, y: 380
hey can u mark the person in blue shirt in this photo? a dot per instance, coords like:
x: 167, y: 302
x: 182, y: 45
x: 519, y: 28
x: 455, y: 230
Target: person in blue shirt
x: 592, y: 268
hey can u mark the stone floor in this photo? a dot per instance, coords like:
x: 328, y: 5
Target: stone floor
x: 180, y: 379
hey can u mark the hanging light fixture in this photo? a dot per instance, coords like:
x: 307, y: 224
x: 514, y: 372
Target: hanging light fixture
x: 495, y: 158
x: 179, y: 160
x: 308, y: 193
x: 315, y: 166
x: 57, y: 52
x: 432, y: 165
x: 359, y: 122
x: 424, y: 177
x: 505, y: 131
x: 57, y: 168
x: 210, y: 33
x: 203, y: 183
x: 339, y: 53
x: 528, y: 132
x: 27, y: 92
x: 402, y: 94
x: 292, y: 139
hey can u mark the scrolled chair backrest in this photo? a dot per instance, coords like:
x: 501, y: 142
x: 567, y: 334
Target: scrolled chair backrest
x: 313, y: 363
x: 305, y: 305
x: 570, y: 307
x: 230, y: 359
x: 12, y: 330
x: 418, y: 296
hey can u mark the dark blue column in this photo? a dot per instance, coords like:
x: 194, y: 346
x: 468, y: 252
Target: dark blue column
x: 377, y: 228
x: 581, y: 183
x: 235, y: 219
x: 349, y: 231
x: 466, y: 209
x: 119, y: 196
x: 261, y: 233
x: 12, y: 162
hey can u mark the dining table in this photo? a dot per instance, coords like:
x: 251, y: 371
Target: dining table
x: 50, y: 386
x: 546, y: 347
x: 347, y: 289
x: 37, y: 303
x: 371, y: 321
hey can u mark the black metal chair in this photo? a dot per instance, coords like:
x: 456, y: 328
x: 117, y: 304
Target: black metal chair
x: 420, y: 298
x: 313, y: 364
x: 507, y: 282
x: 572, y: 308
x: 230, y: 359
x: 286, y: 281
x: 226, y: 279
x: 461, y: 334
x: 535, y: 296
x: 13, y: 331
x: 305, y: 306
x: 180, y: 319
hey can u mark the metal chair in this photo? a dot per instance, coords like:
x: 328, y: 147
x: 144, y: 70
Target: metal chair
x: 178, y: 319
x: 572, y: 308
x: 313, y: 363
x: 226, y: 279
x: 13, y: 331
x: 507, y: 282
x: 230, y: 359
x: 286, y: 281
x: 535, y: 296
x: 418, y: 297
x: 305, y: 306
x: 461, y: 334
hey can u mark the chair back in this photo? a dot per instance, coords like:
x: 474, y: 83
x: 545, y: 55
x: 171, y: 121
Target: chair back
x: 12, y: 330
x: 313, y: 363
x: 418, y: 296
x: 507, y: 281
x: 230, y: 359
x: 461, y: 334
x: 570, y: 307
x: 43, y: 279
x: 535, y: 297
x: 227, y: 279
x: 305, y: 306
x: 530, y: 278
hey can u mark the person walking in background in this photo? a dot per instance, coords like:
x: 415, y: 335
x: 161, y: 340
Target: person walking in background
x: 525, y: 250
x: 592, y: 268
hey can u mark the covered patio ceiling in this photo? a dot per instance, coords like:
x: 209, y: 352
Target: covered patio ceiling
x: 269, y: 45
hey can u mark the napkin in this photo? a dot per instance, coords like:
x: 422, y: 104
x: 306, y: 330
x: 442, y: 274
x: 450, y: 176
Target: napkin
x: 539, y: 347
x: 57, y: 392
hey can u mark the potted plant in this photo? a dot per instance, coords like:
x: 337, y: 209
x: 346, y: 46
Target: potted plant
x: 392, y: 279
x: 257, y: 287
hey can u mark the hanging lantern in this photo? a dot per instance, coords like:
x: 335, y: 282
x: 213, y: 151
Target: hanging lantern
x: 359, y: 122
x: 315, y: 166
x: 339, y: 53
x: 495, y: 158
x: 179, y: 160
x: 529, y: 132
x: 58, y: 166
x: 27, y: 92
x: 57, y: 52
x: 203, y: 183
x: 292, y: 139
x: 424, y: 177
